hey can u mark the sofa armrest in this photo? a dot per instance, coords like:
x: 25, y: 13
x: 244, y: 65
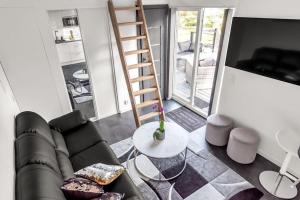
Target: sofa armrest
x: 68, y: 122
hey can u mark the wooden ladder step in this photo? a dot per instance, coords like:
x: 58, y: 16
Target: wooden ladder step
x: 144, y: 50
x: 149, y: 115
x: 144, y: 91
x: 127, y: 8
x: 140, y: 51
x: 130, y: 23
x: 147, y: 103
x: 142, y: 78
x: 139, y: 65
x: 139, y: 37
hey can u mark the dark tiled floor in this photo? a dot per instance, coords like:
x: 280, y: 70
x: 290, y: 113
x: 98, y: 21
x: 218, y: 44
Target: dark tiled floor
x: 86, y: 107
x: 122, y: 126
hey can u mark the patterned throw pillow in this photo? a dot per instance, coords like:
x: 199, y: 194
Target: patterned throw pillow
x: 110, y: 196
x: 101, y: 173
x: 80, y: 188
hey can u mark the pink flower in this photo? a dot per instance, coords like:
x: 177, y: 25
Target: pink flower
x: 156, y: 106
x: 161, y: 109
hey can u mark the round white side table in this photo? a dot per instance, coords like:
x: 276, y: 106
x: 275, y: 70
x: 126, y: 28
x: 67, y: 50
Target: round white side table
x: 282, y: 184
x: 174, y: 144
x: 81, y: 75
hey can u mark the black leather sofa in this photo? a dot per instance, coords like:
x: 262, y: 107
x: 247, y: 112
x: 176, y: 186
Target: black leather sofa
x: 275, y: 63
x: 46, y: 154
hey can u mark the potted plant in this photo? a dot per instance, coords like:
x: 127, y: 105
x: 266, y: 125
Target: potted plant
x: 159, y: 133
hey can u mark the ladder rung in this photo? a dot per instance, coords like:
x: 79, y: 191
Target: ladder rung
x: 142, y: 78
x: 149, y: 115
x: 139, y: 65
x: 144, y: 91
x: 147, y: 103
x: 140, y: 51
x: 130, y: 23
x: 127, y: 8
x: 139, y: 37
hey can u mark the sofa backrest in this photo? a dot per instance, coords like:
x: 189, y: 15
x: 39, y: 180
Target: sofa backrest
x: 33, y: 149
x: 30, y: 122
x: 280, y: 58
x: 270, y: 55
x: 42, y: 159
x: 290, y: 60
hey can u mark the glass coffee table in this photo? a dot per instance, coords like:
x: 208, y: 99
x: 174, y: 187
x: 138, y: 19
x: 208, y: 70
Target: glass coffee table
x: 174, y: 144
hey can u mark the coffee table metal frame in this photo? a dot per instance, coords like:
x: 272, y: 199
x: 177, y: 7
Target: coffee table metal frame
x: 135, y: 152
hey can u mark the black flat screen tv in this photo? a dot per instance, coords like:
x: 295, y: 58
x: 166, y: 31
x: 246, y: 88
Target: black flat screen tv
x: 268, y: 47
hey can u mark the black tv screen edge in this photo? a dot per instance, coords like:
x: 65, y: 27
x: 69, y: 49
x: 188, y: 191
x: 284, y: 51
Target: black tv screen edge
x: 268, y: 47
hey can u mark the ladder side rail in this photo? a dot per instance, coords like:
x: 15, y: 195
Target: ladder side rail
x: 144, y: 30
x: 123, y: 60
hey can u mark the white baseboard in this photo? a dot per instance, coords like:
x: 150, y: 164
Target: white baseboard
x: 125, y: 109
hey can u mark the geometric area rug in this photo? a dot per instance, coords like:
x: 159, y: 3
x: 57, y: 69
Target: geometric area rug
x: 204, y: 178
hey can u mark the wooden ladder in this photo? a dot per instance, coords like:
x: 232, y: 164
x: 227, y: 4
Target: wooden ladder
x: 149, y: 63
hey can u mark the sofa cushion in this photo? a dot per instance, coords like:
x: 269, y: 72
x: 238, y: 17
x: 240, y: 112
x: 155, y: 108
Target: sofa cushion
x: 266, y: 54
x: 100, y: 173
x: 110, y: 196
x: 82, y: 138
x: 30, y: 122
x: 69, y: 121
x: 102, y: 153
x: 81, y: 188
x: 65, y: 165
x: 33, y: 149
x: 98, y: 153
x: 59, y: 141
x: 37, y: 182
x: 290, y: 60
x: 124, y: 185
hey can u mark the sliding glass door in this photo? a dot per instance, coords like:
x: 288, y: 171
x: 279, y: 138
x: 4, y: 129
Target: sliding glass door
x: 186, y: 26
x: 198, y: 39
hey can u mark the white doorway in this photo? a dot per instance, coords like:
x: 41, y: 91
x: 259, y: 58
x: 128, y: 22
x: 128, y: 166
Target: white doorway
x: 70, y: 50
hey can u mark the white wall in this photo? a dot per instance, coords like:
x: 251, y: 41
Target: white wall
x: 29, y: 54
x: 124, y: 16
x: 288, y: 9
x: 26, y: 63
x: 8, y: 109
x: 97, y: 48
x: 262, y: 103
x: 206, y: 3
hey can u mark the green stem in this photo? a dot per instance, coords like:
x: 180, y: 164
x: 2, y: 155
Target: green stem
x: 162, y: 125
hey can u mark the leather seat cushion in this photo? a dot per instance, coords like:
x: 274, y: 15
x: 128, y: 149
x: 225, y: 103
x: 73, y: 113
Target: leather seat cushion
x: 98, y: 153
x: 30, y: 122
x: 290, y: 60
x: 270, y: 55
x: 102, y: 153
x: 82, y: 138
x: 124, y: 185
x: 38, y: 182
x: 59, y: 142
x: 33, y: 149
x: 65, y: 165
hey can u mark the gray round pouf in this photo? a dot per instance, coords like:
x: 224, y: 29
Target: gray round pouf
x: 242, y: 145
x: 218, y: 128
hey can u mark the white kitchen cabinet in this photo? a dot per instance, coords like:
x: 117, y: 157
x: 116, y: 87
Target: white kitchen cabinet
x: 77, y: 52
x: 70, y: 52
x: 63, y: 52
